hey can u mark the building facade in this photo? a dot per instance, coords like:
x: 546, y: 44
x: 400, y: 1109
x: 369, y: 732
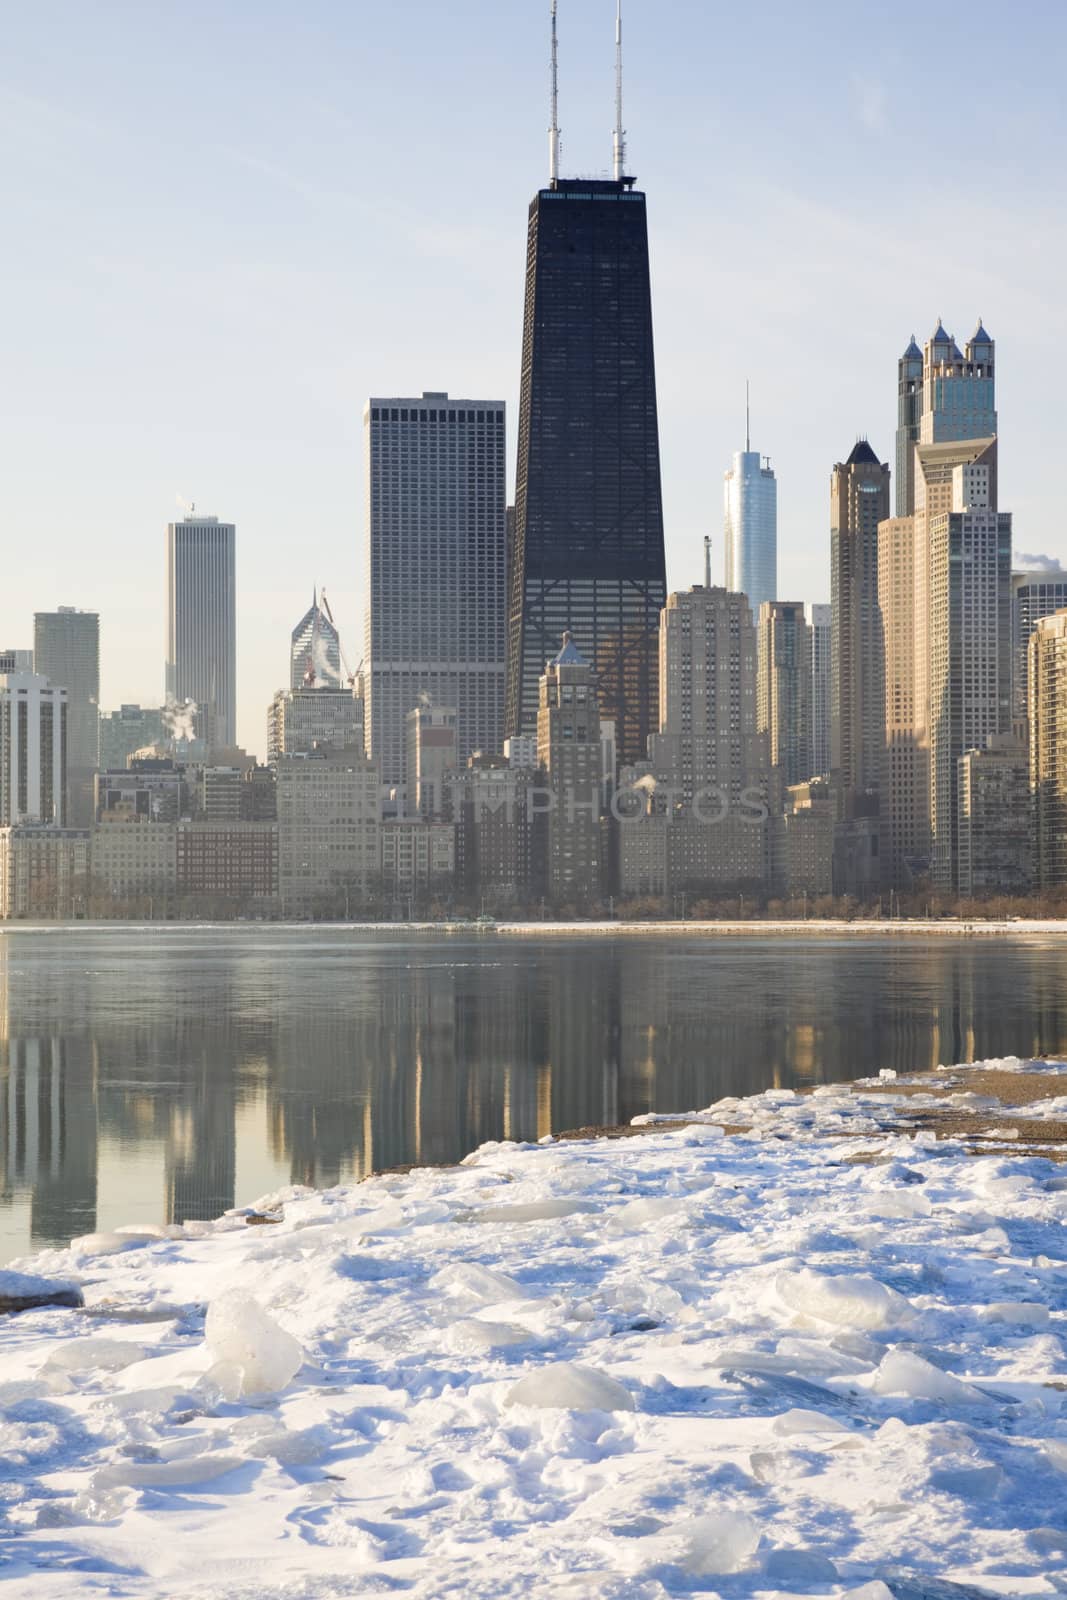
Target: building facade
x: 569, y: 749
x: 993, y: 790
x: 1033, y: 595
x: 821, y: 625
x: 435, y: 561
x: 418, y: 858
x: 310, y: 716
x: 66, y: 650
x: 430, y: 754
x: 133, y: 859
x: 44, y: 871
x: 783, y: 693
x: 909, y: 418
x: 750, y: 528
x: 33, y: 750
x: 130, y: 729
x: 497, y: 829
x: 969, y: 633
x: 329, y: 811
x: 1047, y: 679
x: 233, y: 861
x: 859, y: 501
x: 202, y: 625
x: 588, y: 553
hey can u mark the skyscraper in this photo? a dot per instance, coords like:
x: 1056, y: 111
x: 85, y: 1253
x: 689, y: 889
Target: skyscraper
x: 750, y: 526
x: 959, y: 390
x: 909, y: 415
x: 314, y: 649
x: 859, y: 501
x: 1033, y: 595
x: 783, y: 697
x: 435, y: 560
x: 821, y: 639
x: 33, y: 750
x: 66, y: 651
x: 588, y: 555
x: 202, y: 624
x: 969, y: 632
x: 1047, y: 678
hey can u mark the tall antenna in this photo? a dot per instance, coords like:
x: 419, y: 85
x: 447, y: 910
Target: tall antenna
x: 619, y: 140
x: 553, y: 132
x: 748, y: 426
x: 707, y: 561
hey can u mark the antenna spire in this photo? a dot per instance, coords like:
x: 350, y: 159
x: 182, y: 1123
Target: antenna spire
x: 748, y: 424
x: 553, y: 132
x: 619, y: 139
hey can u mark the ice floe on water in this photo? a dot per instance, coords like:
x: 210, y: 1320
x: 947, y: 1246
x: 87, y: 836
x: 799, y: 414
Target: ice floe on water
x: 822, y: 1355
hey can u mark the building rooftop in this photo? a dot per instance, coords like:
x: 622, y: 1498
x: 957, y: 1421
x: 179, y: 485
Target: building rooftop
x: 570, y: 655
x: 862, y: 454
x: 980, y: 336
x: 912, y: 351
x: 939, y: 335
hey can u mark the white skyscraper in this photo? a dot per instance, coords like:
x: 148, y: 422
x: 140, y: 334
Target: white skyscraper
x: 435, y: 570
x: 202, y: 624
x: 33, y: 750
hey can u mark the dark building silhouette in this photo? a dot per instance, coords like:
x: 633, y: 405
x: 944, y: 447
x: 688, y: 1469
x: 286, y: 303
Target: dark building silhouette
x: 588, y: 552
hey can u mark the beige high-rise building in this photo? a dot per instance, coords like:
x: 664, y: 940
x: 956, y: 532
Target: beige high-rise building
x: 429, y: 753
x: 969, y: 636
x: 66, y: 651
x: 1047, y: 685
x: 708, y: 733
x: 859, y: 501
x: 569, y: 749
x: 905, y: 785
x: 783, y: 693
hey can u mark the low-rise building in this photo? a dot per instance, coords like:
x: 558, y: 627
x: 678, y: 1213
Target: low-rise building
x: 44, y: 871
x: 134, y: 857
x: 235, y: 861
x: 496, y: 828
x: 803, y: 840
x: 329, y: 817
x: 417, y: 857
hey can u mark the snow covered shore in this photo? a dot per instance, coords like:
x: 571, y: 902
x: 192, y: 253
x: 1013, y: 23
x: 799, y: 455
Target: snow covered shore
x: 820, y: 1357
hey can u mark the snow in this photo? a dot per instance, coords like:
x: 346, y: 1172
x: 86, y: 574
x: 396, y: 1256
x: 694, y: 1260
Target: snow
x: 818, y: 1356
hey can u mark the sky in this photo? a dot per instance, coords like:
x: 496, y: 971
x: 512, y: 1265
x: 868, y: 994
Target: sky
x: 226, y: 224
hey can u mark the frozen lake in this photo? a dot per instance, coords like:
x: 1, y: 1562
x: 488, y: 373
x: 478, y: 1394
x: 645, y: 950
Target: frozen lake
x: 167, y: 1073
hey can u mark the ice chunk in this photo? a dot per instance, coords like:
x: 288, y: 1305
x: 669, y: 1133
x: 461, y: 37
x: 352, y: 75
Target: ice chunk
x: 533, y: 1211
x: 858, y: 1302
x: 799, y: 1567
x: 255, y: 1354
x: 639, y: 1213
x: 897, y: 1203
x: 89, y: 1355
x: 21, y: 1291
x: 1056, y: 1450
x: 903, y: 1372
x: 870, y: 1591
x: 799, y: 1420
x: 187, y: 1470
x: 720, y: 1543
x: 565, y: 1386
x: 479, y: 1283
x: 109, y: 1244
x: 1020, y: 1313
x: 472, y: 1337
x: 967, y: 1483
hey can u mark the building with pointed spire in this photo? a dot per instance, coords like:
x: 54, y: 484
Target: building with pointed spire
x: 588, y: 555
x: 750, y: 524
x: 314, y: 649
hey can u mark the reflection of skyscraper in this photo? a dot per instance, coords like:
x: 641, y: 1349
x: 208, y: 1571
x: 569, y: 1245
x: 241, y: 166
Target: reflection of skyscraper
x: 202, y: 624
x: 588, y: 555
x: 48, y: 1123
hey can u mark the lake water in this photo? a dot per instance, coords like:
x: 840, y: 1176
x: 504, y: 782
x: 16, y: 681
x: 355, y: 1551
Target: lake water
x: 162, y: 1074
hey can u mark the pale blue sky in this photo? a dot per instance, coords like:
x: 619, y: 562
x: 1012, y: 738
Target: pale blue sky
x: 225, y: 224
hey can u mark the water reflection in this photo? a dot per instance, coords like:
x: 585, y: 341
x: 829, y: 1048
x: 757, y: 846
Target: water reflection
x: 168, y: 1075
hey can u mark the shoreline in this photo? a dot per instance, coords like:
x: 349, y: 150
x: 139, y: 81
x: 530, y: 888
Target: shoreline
x: 752, y: 928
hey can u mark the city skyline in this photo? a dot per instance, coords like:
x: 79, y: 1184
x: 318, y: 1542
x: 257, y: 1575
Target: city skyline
x: 300, y: 322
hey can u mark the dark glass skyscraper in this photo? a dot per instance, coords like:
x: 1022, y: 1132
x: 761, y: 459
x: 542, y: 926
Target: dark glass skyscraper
x: 588, y: 547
